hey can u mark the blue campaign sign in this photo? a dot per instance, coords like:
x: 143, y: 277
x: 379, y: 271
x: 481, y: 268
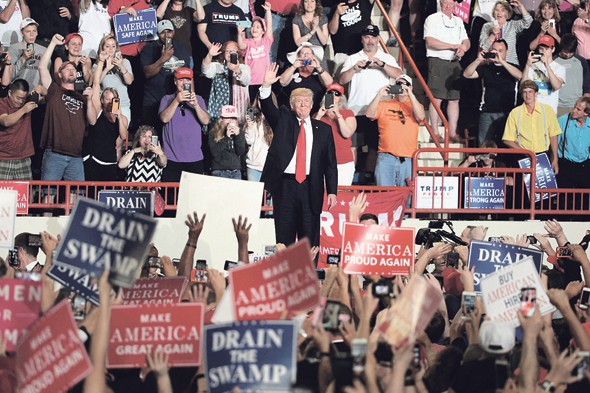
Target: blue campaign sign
x: 100, y: 236
x: 489, y: 257
x: 254, y: 355
x: 544, y: 176
x: 75, y: 282
x: 484, y: 193
x: 130, y: 30
x: 133, y: 201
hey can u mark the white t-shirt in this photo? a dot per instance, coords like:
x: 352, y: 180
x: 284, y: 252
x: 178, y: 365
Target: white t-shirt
x: 92, y: 26
x: 450, y: 31
x: 365, y: 84
x: 10, y: 31
x: 538, y: 74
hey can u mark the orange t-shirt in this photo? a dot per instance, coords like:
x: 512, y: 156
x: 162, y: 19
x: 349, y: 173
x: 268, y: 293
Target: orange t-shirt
x: 398, y: 128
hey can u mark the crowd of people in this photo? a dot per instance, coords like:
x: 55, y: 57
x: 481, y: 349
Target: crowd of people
x: 208, y: 61
x: 460, y: 349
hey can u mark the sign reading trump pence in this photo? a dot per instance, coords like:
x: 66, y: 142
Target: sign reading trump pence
x: 377, y: 249
x: 100, y: 236
x: 501, y: 291
x: 285, y: 281
x: 174, y: 328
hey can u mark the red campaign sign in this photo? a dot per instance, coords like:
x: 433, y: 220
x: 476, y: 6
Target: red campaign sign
x: 22, y: 187
x: 174, y: 328
x: 286, y: 280
x: 377, y: 249
x: 155, y: 290
x: 51, y: 357
x: 462, y: 10
x: 20, y: 306
x: 387, y: 206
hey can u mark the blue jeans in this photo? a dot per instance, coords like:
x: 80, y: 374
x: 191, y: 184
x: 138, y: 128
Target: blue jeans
x: 490, y: 124
x: 228, y: 173
x: 392, y: 172
x: 58, y: 167
x: 253, y: 174
x: 278, y: 24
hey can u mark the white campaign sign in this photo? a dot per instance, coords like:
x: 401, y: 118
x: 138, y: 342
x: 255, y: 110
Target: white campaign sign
x: 501, y: 291
x: 8, y: 200
x: 428, y: 188
x: 221, y: 199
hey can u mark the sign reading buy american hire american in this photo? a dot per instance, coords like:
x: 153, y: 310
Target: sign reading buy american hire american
x: 377, y: 249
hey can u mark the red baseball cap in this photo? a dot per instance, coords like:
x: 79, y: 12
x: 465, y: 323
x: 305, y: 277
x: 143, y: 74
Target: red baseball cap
x: 183, y: 72
x: 72, y: 35
x: 546, y: 40
x: 66, y: 63
x: 335, y: 86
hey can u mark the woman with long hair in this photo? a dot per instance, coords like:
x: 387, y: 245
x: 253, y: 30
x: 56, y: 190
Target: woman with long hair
x: 258, y: 137
x: 112, y: 70
x: 227, y: 144
x: 146, y: 160
x: 231, y: 78
x: 73, y: 54
x: 547, y: 21
x: 343, y: 123
x: 94, y: 23
x: 310, y: 24
x: 505, y: 28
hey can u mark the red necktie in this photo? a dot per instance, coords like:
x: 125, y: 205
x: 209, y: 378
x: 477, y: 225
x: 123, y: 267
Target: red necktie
x: 300, y: 163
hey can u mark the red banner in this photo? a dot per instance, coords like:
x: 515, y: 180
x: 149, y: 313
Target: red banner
x: 51, y: 357
x: 286, y: 280
x: 174, y: 328
x: 19, y: 307
x: 377, y: 249
x: 155, y: 290
x: 462, y: 10
x: 387, y: 206
x: 22, y: 187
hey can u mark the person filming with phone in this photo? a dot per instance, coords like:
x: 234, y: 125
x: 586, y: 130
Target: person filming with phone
x: 334, y: 111
x: 183, y: 113
x: 16, y: 135
x: 499, y: 81
x: 146, y: 160
x: 398, y: 120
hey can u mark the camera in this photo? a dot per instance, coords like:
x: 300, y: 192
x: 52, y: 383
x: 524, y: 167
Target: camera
x: 383, y: 288
x: 367, y: 65
x: 394, y: 89
x: 155, y: 140
x: 482, y: 157
x: 34, y: 240
x: 250, y: 113
x: 233, y: 58
x: 427, y: 237
x: 186, y: 87
x: 563, y: 252
x: 80, y: 86
x: 306, y: 62
x: 154, y: 262
x: 13, y: 257
x: 489, y: 55
x: 333, y: 259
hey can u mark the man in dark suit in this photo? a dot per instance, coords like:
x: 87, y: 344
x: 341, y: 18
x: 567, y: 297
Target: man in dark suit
x: 297, y: 164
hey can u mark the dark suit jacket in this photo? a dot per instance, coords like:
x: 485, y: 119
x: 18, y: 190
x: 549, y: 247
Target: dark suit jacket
x: 323, y: 153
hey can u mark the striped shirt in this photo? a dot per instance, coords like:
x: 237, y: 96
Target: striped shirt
x: 508, y: 32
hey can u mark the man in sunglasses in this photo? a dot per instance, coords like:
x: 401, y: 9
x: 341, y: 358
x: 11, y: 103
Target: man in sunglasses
x: 398, y: 120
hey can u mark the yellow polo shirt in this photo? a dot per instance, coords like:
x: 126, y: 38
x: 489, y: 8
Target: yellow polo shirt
x: 532, y: 127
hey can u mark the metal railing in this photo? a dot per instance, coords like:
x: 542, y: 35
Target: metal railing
x: 406, y: 53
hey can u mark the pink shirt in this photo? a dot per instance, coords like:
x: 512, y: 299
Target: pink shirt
x: 257, y: 57
x: 582, y: 30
